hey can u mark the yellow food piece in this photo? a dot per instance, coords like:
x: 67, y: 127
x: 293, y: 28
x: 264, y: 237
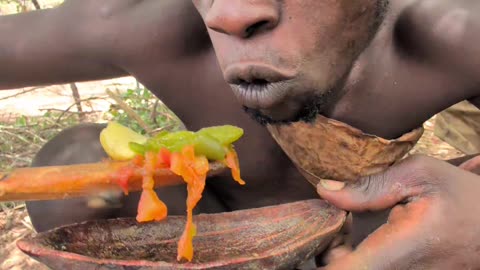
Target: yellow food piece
x: 115, y: 139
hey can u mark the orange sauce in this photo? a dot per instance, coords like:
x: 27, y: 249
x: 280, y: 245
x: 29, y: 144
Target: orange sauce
x: 193, y: 170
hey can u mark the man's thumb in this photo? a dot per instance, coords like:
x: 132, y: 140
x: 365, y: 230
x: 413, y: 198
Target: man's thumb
x: 375, y: 192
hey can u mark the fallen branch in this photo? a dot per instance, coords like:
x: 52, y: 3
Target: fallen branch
x: 124, y: 106
x: 63, y: 112
x: 21, y: 93
x: 25, y: 130
x: 17, y: 136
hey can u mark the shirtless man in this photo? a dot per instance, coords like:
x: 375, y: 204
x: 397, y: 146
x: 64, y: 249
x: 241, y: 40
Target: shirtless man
x: 382, y: 66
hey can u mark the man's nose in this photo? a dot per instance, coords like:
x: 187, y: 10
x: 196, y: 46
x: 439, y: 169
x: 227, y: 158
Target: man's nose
x: 243, y: 18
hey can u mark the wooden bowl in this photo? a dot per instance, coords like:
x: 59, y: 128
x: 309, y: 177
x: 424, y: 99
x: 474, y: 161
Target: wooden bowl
x: 276, y: 237
x: 329, y: 149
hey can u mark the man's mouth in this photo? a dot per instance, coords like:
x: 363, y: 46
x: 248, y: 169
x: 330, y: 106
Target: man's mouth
x: 260, y: 86
x: 271, y: 95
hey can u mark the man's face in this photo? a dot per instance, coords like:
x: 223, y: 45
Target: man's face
x: 288, y: 59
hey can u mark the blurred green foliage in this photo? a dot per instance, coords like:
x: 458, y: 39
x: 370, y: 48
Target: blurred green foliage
x: 151, y: 110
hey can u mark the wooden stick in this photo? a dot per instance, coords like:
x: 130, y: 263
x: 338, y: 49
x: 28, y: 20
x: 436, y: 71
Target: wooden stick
x: 64, y: 182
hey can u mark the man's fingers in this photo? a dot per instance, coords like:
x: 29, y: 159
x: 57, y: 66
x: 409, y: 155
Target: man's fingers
x: 472, y: 165
x: 377, y: 252
x: 336, y: 254
x: 407, y: 179
x: 393, y: 244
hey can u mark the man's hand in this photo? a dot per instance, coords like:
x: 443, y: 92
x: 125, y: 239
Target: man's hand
x: 434, y: 223
x: 472, y: 165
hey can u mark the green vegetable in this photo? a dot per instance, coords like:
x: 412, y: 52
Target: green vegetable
x: 209, y: 146
x: 161, y: 134
x: 139, y: 149
x: 226, y: 135
x: 210, y: 142
x: 174, y: 141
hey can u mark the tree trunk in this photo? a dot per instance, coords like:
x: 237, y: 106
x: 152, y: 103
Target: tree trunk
x: 78, y: 101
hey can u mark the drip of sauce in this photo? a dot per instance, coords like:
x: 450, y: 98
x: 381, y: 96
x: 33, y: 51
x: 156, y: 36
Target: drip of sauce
x: 150, y: 207
x: 192, y: 168
x: 231, y: 161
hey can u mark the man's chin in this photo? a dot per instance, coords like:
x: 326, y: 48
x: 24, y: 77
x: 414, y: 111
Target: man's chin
x: 259, y: 117
x: 307, y: 112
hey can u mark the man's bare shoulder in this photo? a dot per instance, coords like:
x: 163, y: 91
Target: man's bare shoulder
x: 443, y: 35
x: 433, y: 27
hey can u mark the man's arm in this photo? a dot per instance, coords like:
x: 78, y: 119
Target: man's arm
x: 64, y: 44
x: 88, y: 40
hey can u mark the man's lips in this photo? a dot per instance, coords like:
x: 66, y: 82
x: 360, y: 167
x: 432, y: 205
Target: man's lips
x: 262, y: 96
x: 259, y: 86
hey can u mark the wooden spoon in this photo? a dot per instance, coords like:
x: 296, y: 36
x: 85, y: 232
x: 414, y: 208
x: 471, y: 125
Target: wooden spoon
x: 275, y: 237
x: 63, y: 182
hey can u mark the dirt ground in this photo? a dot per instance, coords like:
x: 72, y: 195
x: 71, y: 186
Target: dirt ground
x: 35, y: 101
x: 15, y: 224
